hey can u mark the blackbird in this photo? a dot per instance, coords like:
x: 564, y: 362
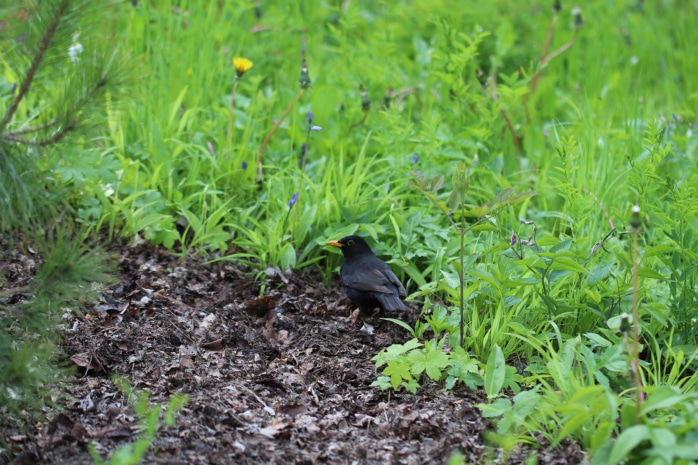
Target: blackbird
x: 366, y: 279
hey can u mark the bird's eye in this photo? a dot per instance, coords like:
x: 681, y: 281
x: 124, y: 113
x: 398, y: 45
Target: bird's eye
x: 350, y: 242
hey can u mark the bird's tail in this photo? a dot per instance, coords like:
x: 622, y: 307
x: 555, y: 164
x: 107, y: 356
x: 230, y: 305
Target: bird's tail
x: 391, y: 302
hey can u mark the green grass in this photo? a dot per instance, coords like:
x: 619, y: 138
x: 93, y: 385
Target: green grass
x: 610, y: 124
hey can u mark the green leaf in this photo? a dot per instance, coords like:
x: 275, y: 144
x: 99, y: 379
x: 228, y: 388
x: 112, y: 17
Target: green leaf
x: 288, y: 257
x: 432, y: 362
x: 460, y: 179
x: 526, y: 402
x: 175, y: 404
x: 411, y: 386
x: 661, y: 398
x: 597, y: 340
x: 485, y: 276
x: 437, y: 183
x: 400, y: 323
x: 383, y: 382
x: 603, y: 454
x: 496, y: 408
x: 416, y: 275
x: 176, y: 106
x: 461, y: 363
x: 663, y: 438
x: 398, y: 370
x: 658, y: 250
x: 395, y: 351
x: 602, y: 435
x: 567, y: 264
x: 572, y: 424
x: 454, y: 200
x: 651, y: 274
x: 495, y: 372
x: 626, y: 442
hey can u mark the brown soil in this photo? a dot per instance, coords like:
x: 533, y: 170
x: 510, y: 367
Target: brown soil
x: 290, y: 386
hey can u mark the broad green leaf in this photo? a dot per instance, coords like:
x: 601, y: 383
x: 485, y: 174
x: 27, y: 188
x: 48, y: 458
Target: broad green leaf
x: 454, y: 200
x: 383, y: 382
x: 651, y: 274
x: 572, y: 424
x: 461, y: 363
x: 485, y: 276
x: 526, y: 402
x: 664, y: 438
x: 495, y: 372
x: 416, y: 275
x: 432, y: 362
x: 658, y: 250
x: 661, y: 398
x: 397, y: 370
x: 627, y: 441
x: 395, y: 351
x: 480, y: 211
x: 485, y: 226
x: 601, y: 435
x: 437, y: 183
x: 598, y: 340
x: 460, y: 179
x: 411, y: 386
x: 568, y: 264
x: 436, y: 362
x: 603, y: 454
x: 288, y: 257
x: 496, y: 408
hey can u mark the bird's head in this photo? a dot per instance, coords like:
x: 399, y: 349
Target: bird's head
x: 351, y: 246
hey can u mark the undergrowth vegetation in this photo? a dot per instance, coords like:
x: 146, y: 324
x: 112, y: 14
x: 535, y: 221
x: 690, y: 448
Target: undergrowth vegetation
x: 528, y: 170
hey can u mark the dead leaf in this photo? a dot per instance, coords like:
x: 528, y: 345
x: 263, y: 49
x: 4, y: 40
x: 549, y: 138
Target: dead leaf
x: 79, y: 433
x: 89, y: 361
x: 355, y: 315
x: 207, y: 322
x: 364, y: 420
x: 294, y: 409
x: 272, y: 430
x: 308, y: 423
x: 185, y: 362
x: 260, y: 306
x: 213, y: 345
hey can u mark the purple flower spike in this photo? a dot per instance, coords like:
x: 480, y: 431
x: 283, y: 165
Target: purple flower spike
x: 523, y: 220
x: 294, y: 199
x: 315, y: 128
x: 244, y: 165
x: 514, y: 239
x: 304, y: 148
x: 415, y: 159
x: 310, y: 117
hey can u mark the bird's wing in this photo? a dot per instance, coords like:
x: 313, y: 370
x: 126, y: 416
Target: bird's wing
x: 374, y: 280
x: 393, y: 279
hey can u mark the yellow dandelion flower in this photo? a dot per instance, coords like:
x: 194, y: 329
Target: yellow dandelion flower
x: 241, y: 65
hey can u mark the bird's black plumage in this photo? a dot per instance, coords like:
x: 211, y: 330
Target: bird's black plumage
x: 366, y: 279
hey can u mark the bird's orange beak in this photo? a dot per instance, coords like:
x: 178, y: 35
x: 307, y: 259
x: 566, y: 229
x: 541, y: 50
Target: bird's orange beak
x: 334, y: 244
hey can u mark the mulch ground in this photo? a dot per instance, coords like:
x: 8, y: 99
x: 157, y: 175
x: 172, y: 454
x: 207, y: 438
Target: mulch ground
x: 284, y: 379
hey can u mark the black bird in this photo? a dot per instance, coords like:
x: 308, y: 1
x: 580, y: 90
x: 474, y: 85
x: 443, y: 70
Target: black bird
x: 366, y: 279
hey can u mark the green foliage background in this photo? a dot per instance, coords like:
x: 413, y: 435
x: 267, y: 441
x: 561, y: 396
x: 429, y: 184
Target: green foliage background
x: 604, y: 121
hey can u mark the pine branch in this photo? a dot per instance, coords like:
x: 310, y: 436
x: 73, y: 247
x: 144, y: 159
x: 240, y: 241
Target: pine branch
x: 43, y: 142
x: 13, y: 136
x: 31, y: 129
x: 38, y: 58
